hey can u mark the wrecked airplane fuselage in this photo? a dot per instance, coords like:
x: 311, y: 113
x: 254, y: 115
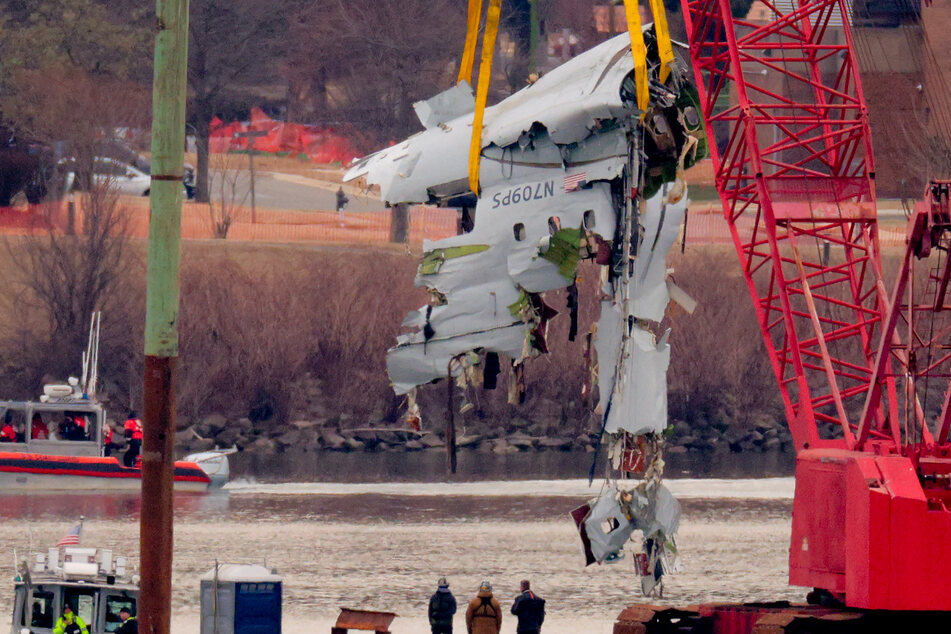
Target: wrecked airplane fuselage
x: 569, y: 170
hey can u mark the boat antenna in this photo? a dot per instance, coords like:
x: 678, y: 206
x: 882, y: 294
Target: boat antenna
x: 91, y: 355
x: 95, y: 357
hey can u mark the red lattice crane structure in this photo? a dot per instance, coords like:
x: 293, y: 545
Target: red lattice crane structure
x: 789, y: 135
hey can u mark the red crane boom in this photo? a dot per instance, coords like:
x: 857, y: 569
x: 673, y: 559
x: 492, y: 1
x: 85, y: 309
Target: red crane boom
x: 792, y: 153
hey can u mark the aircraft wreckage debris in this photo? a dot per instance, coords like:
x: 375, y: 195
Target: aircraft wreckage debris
x: 569, y: 171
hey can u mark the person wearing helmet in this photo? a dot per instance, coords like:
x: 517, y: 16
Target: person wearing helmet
x: 484, y: 615
x: 70, y: 623
x: 442, y: 606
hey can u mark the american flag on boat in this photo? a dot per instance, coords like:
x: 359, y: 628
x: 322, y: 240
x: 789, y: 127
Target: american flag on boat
x: 575, y: 181
x: 72, y: 537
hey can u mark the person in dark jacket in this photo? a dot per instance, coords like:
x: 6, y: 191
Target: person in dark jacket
x: 442, y: 607
x: 342, y: 201
x: 129, y: 624
x: 530, y: 610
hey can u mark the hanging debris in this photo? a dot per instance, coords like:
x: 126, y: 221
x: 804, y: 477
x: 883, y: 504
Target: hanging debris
x: 570, y: 169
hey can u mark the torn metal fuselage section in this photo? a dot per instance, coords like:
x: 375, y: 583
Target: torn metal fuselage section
x: 570, y: 170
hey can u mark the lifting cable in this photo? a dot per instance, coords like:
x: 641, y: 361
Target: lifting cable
x: 639, y: 51
x: 665, y: 48
x: 485, y: 75
x: 472, y: 37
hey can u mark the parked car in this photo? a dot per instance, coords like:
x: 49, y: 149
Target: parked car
x: 127, y: 178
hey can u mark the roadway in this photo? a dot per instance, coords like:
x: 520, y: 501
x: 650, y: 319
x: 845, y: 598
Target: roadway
x: 274, y: 190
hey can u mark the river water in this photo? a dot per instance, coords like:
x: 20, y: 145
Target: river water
x: 383, y: 545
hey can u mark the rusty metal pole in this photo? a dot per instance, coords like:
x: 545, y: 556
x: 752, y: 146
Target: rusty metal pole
x: 161, y: 317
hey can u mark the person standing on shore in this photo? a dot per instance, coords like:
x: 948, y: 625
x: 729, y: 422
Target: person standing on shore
x: 530, y: 610
x: 484, y: 615
x: 442, y: 607
x: 342, y: 201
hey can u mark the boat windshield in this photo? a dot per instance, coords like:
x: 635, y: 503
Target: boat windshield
x: 13, y: 428
x: 83, y: 602
x: 41, y: 612
x: 114, y: 603
x: 52, y: 424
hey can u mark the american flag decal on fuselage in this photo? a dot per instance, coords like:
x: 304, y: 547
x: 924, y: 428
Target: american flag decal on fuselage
x: 574, y: 182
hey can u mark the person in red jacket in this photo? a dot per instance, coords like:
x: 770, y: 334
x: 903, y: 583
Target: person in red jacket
x: 38, y: 429
x: 7, y: 432
x: 108, y: 443
x: 133, y: 435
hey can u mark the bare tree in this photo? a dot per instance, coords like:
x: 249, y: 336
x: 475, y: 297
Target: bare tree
x: 76, y: 112
x: 61, y: 279
x: 58, y: 278
x: 228, y: 193
x: 367, y: 61
x: 231, y: 43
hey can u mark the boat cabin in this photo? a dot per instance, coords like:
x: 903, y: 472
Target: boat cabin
x: 62, y: 423
x: 93, y: 582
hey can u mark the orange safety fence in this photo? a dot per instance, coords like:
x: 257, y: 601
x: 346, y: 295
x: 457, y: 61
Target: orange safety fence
x: 271, y: 225
x: 705, y: 224
x: 321, y: 144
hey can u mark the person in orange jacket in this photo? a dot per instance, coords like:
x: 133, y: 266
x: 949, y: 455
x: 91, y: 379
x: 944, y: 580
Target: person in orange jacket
x: 133, y: 434
x: 484, y: 615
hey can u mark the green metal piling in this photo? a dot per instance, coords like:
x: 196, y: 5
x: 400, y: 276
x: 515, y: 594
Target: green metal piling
x: 161, y: 319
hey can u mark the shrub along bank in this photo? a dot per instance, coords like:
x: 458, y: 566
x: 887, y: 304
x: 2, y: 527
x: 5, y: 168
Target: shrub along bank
x: 284, y: 346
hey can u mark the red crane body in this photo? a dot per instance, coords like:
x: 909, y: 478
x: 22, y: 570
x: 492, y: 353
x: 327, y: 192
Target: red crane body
x: 792, y: 153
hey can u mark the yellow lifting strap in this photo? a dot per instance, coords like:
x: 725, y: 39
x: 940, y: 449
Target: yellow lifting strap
x: 664, y: 47
x: 482, y: 94
x: 472, y: 38
x: 639, y: 51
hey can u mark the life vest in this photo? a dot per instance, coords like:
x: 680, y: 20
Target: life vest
x: 485, y: 609
x: 133, y: 429
x: 107, y: 434
x: 8, y: 434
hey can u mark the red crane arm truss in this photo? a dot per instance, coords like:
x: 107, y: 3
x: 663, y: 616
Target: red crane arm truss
x: 792, y: 153
x: 791, y: 148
